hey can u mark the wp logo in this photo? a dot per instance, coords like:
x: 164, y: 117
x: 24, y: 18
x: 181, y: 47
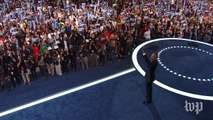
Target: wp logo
x: 196, y: 107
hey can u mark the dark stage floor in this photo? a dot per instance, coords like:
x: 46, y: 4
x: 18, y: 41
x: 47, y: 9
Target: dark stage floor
x: 121, y: 98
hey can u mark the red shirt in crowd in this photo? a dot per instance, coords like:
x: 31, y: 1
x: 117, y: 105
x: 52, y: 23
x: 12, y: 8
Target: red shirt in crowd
x: 2, y: 38
x: 36, y: 51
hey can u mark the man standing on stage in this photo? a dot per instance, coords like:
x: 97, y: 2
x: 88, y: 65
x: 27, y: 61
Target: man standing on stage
x: 150, y: 75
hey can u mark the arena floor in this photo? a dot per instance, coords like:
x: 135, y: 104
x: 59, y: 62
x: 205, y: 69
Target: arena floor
x: 116, y: 92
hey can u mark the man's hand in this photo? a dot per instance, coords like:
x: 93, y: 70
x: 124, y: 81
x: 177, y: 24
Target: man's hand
x: 144, y: 53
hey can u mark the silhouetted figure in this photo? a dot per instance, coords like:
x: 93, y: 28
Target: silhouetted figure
x: 150, y: 75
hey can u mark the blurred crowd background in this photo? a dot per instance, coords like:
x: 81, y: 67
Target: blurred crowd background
x: 41, y: 38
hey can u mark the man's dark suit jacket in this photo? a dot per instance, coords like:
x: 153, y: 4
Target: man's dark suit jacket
x: 151, y: 67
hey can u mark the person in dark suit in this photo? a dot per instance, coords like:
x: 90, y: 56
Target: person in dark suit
x: 72, y: 55
x: 150, y: 75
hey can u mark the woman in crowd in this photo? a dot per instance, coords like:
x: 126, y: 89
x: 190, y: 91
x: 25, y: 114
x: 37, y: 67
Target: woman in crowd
x: 57, y: 62
x: 49, y: 59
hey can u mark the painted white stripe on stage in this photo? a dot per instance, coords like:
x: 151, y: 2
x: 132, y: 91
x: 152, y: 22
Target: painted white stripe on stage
x: 66, y: 92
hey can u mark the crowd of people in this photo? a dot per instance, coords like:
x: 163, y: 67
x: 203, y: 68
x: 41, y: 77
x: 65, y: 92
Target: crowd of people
x: 56, y: 36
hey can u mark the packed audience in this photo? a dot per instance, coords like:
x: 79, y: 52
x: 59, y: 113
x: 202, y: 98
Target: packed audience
x: 52, y: 37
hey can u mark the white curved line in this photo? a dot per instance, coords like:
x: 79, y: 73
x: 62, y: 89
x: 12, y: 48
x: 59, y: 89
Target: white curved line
x: 173, y: 47
x: 183, y: 93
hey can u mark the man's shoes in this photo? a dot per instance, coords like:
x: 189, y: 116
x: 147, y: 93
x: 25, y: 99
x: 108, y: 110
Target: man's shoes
x: 146, y: 102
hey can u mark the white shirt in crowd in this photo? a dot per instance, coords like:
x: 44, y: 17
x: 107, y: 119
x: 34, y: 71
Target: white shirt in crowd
x: 147, y: 34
